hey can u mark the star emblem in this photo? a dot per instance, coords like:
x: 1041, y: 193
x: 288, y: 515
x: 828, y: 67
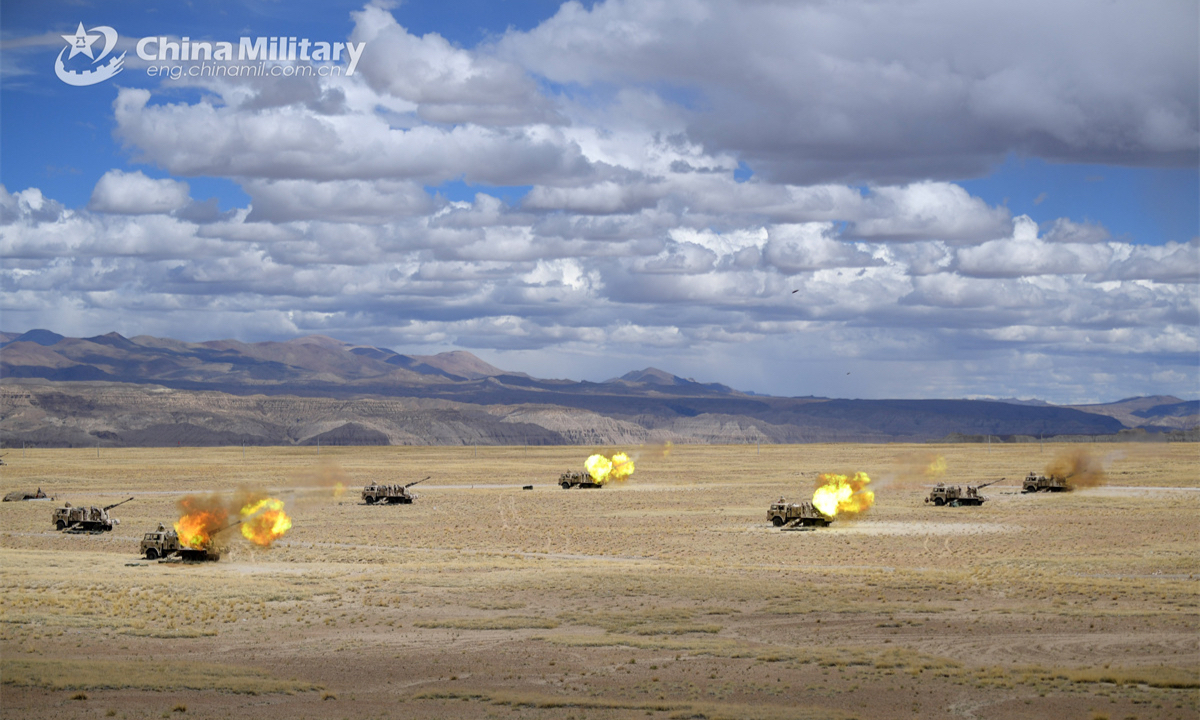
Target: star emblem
x: 81, y: 42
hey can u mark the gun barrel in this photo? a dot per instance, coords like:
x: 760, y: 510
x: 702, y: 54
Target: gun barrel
x: 991, y: 483
x: 414, y: 482
x: 110, y: 507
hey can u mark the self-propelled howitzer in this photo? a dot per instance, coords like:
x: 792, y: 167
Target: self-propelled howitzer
x: 85, y: 519
x: 1041, y: 483
x: 572, y: 479
x: 391, y: 494
x: 953, y: 495
x: 163, y: 543
x: 801, y: 514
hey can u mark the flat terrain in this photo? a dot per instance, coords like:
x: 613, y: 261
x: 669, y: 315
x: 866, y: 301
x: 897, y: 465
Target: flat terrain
x: 669, y: 596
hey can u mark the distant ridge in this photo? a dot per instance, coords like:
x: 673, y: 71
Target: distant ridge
x: 109, y: 389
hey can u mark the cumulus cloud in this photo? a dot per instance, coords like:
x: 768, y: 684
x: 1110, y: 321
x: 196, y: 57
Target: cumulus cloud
x: 447, y: 84
x: 135, y: 194
x: 894, y: 92
x: 341, y: 200
x: 633, y: 238
x: 294, y: 142
x: 929, y: 211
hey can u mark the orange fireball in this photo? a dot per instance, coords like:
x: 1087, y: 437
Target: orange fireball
x: 264, y: 521
x: 603, y: 470
x: 200, y: 519
x: 842, y: 494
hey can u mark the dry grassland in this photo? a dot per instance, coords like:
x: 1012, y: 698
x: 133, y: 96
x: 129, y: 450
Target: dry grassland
x: 669, y: 596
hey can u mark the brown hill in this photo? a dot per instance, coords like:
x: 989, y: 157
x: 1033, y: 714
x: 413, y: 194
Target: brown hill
x: 153, y: 391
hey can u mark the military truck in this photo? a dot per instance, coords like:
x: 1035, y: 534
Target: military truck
x: 583, y: 479
x: 1041, y: 483
x: 953, y: 495
x: 783, y: 513
x: 163, y: 543
x: 85, y: 519
x: 391, y: 494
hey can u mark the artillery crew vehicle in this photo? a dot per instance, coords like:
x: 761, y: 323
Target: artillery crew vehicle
x: 85, y: 519
x: 391, y: 494
x: 796, y: 514
x: 953, y: 495
x: 163, y: 543
x: 583, y: 479
x: 1041, y: 483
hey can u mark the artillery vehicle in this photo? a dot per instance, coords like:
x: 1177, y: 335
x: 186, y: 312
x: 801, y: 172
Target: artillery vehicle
x: 391, y: 494
x: 164, y: 543
x: 796, y: 514
x: 85, y: 519
x: 953, y: 495
x: 583, y: 479
x: 1041, y: 483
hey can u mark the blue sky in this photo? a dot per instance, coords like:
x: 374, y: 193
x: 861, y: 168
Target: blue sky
x: 964, y: 208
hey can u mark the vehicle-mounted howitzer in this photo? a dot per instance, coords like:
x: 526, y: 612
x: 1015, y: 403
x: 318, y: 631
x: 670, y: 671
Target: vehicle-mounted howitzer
x: 796, y: 515
x: 953, y: 495
x: 85, y: 519
x: 392, y: 494
x: 1041, y: 483
x: 163, y: 543
x: 583, y: 479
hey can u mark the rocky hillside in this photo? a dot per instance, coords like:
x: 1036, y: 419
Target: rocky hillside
x: 144, y: 391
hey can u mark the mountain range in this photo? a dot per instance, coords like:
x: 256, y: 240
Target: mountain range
x: 113, y: 390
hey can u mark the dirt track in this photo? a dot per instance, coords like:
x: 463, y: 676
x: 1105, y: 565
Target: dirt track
x: 668, y: 597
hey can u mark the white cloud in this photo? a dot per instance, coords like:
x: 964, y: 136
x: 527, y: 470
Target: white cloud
x: 635, y: 245
x: 929, y: 211
x: 447, y: 84
x: 335, y: 200
x: 294, y: 142
x: 891, y: 92
x: 135, y: 194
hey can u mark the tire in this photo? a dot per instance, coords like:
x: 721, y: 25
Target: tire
x: 566, y: 486
x: 60, y: 525
x: 777, y: 521
x: 370, y: 500
x: 151, y: 554
x: 939, y: 502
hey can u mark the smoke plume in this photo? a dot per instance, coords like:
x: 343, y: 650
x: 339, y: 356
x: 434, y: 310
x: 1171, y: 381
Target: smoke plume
x: 1078, y: 467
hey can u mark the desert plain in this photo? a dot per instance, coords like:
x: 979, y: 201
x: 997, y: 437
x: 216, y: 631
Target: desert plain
x: 668, y: 596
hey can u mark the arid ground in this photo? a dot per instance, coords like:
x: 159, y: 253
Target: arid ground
x: 669, y: 596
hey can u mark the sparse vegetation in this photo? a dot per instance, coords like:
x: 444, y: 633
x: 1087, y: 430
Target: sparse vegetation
x: 670, y: 596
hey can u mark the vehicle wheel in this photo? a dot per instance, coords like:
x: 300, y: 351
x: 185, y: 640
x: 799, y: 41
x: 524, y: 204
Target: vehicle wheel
x: 60, y: 525
x: 566, y: 486
x: 151, y: 554
x: 939, y: 502
x: 777, y: 521
x: 370, y: 500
